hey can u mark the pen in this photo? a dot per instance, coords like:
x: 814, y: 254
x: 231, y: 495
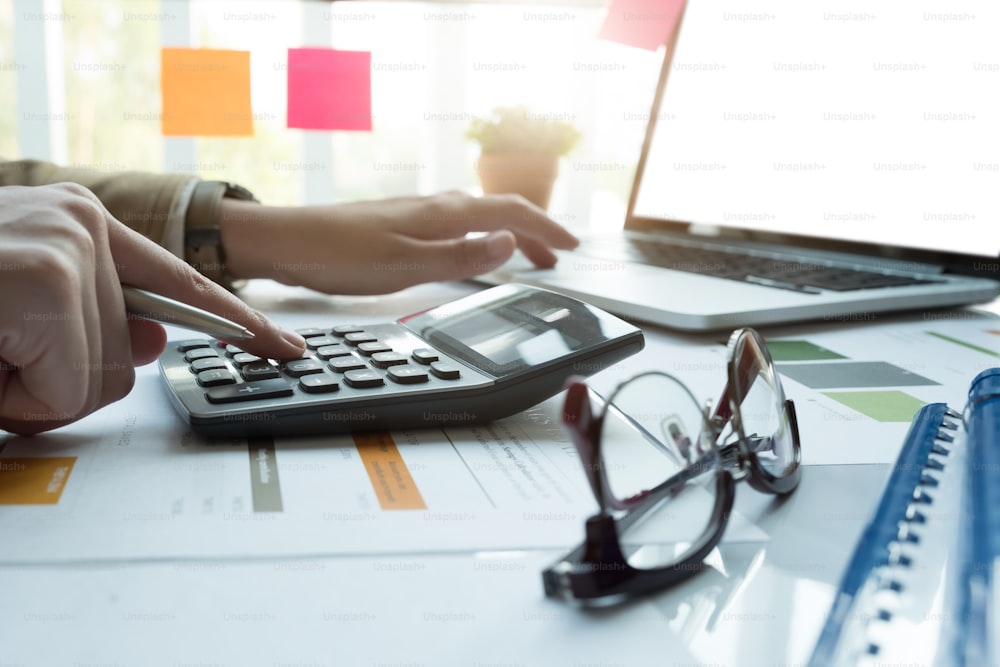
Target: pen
x: 149, y: 306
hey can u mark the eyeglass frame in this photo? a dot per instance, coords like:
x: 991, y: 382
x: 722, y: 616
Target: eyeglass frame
x: 610, y: 578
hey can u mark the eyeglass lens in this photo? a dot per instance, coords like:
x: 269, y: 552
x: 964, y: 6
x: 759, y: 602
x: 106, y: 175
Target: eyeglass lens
x: 653, y: 431
x: 758, y: 405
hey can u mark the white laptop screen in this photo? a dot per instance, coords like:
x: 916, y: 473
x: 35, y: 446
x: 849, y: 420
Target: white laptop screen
x: 861, y: 121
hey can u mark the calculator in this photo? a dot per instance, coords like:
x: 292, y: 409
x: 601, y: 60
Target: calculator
x: 470, y: 361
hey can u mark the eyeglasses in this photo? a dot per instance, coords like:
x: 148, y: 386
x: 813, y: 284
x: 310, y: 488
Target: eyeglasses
x: 663, y: 469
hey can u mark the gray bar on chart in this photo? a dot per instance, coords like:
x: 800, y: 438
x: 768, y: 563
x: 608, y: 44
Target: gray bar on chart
x: 264, y: 483
x: 852, y: 374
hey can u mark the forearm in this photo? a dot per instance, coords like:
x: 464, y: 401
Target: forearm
x: 154, y: 205
x: 161, y: 207
x: 261, y: 241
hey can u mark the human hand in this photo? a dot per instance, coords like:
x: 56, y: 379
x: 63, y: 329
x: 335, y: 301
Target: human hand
x: 381, y: 246
x: 66, y: 345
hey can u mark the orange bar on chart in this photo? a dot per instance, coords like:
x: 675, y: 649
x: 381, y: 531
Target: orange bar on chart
x: 391, y: 479
x: 206, y: 92
x: 34, y: 480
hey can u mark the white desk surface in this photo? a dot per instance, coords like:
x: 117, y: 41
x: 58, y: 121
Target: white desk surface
x: 762, y: 605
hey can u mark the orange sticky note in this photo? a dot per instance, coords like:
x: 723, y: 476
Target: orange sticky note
x: 206, y: 92
x: 646, y: 24
x: 34, y: 480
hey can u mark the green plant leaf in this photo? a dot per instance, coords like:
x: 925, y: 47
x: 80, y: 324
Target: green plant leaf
x: 516, y: 129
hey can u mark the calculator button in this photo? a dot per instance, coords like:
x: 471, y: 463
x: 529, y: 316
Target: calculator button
x: 408, y: 374
x: 251, y: 391
x: 356, y: 337
x: 318, y: 383
x: 363, y: 379
x: 445, y: 370
x: 214, y: 377
x: 193, y: 344
x: 208, y: 363
x: 425, y: 355
x: 233, y: 349
x: 314, y: 342
x: 345, y: 329
x: 200, y: 353
x: 243, y: 358
x: 259, y: 370
x: 310, y: 332
x: 373, y: 347
x: 331, y: 351
x: 301, y: 367
x: 386, y: 359
x: 344, y: 364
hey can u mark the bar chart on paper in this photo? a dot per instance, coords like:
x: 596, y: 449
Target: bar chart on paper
x: 127, y: 484
x: 877, y: 377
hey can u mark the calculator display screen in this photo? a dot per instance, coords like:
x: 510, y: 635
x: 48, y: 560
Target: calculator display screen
x: 513, y: 332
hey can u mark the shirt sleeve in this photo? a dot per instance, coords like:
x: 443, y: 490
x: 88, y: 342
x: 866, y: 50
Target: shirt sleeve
x: 155, y: 205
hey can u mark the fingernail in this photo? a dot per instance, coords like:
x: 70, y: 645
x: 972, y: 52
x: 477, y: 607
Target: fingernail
x: 294, y: 338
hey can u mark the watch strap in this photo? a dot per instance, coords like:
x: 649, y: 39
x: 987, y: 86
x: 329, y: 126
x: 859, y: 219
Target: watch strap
x: 202, y: 237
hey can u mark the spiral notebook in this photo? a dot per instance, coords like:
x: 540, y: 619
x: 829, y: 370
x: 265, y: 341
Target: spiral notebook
x: 918, y: 588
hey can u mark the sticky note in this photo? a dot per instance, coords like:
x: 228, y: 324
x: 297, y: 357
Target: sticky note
x: 329, y: 90
x: 206, y: 92
x: 34, y: 480
x: 646, y: 24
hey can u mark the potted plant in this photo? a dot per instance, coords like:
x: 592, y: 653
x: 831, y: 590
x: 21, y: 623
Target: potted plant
x: 520, y: 151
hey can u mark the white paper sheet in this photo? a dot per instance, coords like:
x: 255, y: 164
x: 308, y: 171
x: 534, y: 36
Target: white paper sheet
x: 142, y: 486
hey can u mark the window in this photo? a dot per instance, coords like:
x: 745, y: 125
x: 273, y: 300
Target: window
x: 434, y: 67
x: 9, y: 69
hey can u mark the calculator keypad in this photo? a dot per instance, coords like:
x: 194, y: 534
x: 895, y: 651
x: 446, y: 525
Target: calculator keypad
x: 341, y: 357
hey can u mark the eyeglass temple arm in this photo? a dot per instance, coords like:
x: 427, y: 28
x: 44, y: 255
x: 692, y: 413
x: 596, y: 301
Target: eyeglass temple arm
x: 583, y: 428
x: 745, y: 369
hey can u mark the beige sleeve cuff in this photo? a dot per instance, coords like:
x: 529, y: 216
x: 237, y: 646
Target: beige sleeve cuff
x: 165, y: 208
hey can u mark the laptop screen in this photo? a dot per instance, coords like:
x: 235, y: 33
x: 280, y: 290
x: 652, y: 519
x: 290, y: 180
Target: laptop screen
x: 874, y: 122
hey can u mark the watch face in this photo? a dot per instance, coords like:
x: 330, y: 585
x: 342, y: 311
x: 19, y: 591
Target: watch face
x: 508, y: 330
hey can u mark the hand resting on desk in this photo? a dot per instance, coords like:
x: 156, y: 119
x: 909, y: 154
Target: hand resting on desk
x: 381, y: 246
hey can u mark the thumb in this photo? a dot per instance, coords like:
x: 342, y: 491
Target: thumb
x: 149, y: 339
x: 479, y: 254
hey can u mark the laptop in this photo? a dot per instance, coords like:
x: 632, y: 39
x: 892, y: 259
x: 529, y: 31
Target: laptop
x: 802, y: 163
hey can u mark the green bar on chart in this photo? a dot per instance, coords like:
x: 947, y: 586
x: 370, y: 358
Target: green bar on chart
x: 882, y: 406
x: 971, y: 346
x: 799, y: 350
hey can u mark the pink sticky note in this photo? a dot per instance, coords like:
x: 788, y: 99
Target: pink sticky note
x: 329, y: 90
x: 646, y: 24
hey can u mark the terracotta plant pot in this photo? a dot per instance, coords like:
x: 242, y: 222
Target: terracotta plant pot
x: 530, y: 175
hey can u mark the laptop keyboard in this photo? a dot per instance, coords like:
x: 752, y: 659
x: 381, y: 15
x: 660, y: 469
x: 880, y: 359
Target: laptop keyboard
x: 767, y: 271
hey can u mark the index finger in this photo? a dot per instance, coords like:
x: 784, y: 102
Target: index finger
x: 142, y: 263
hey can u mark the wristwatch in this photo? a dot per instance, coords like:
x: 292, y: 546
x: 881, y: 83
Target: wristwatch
x: 202, y: 238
